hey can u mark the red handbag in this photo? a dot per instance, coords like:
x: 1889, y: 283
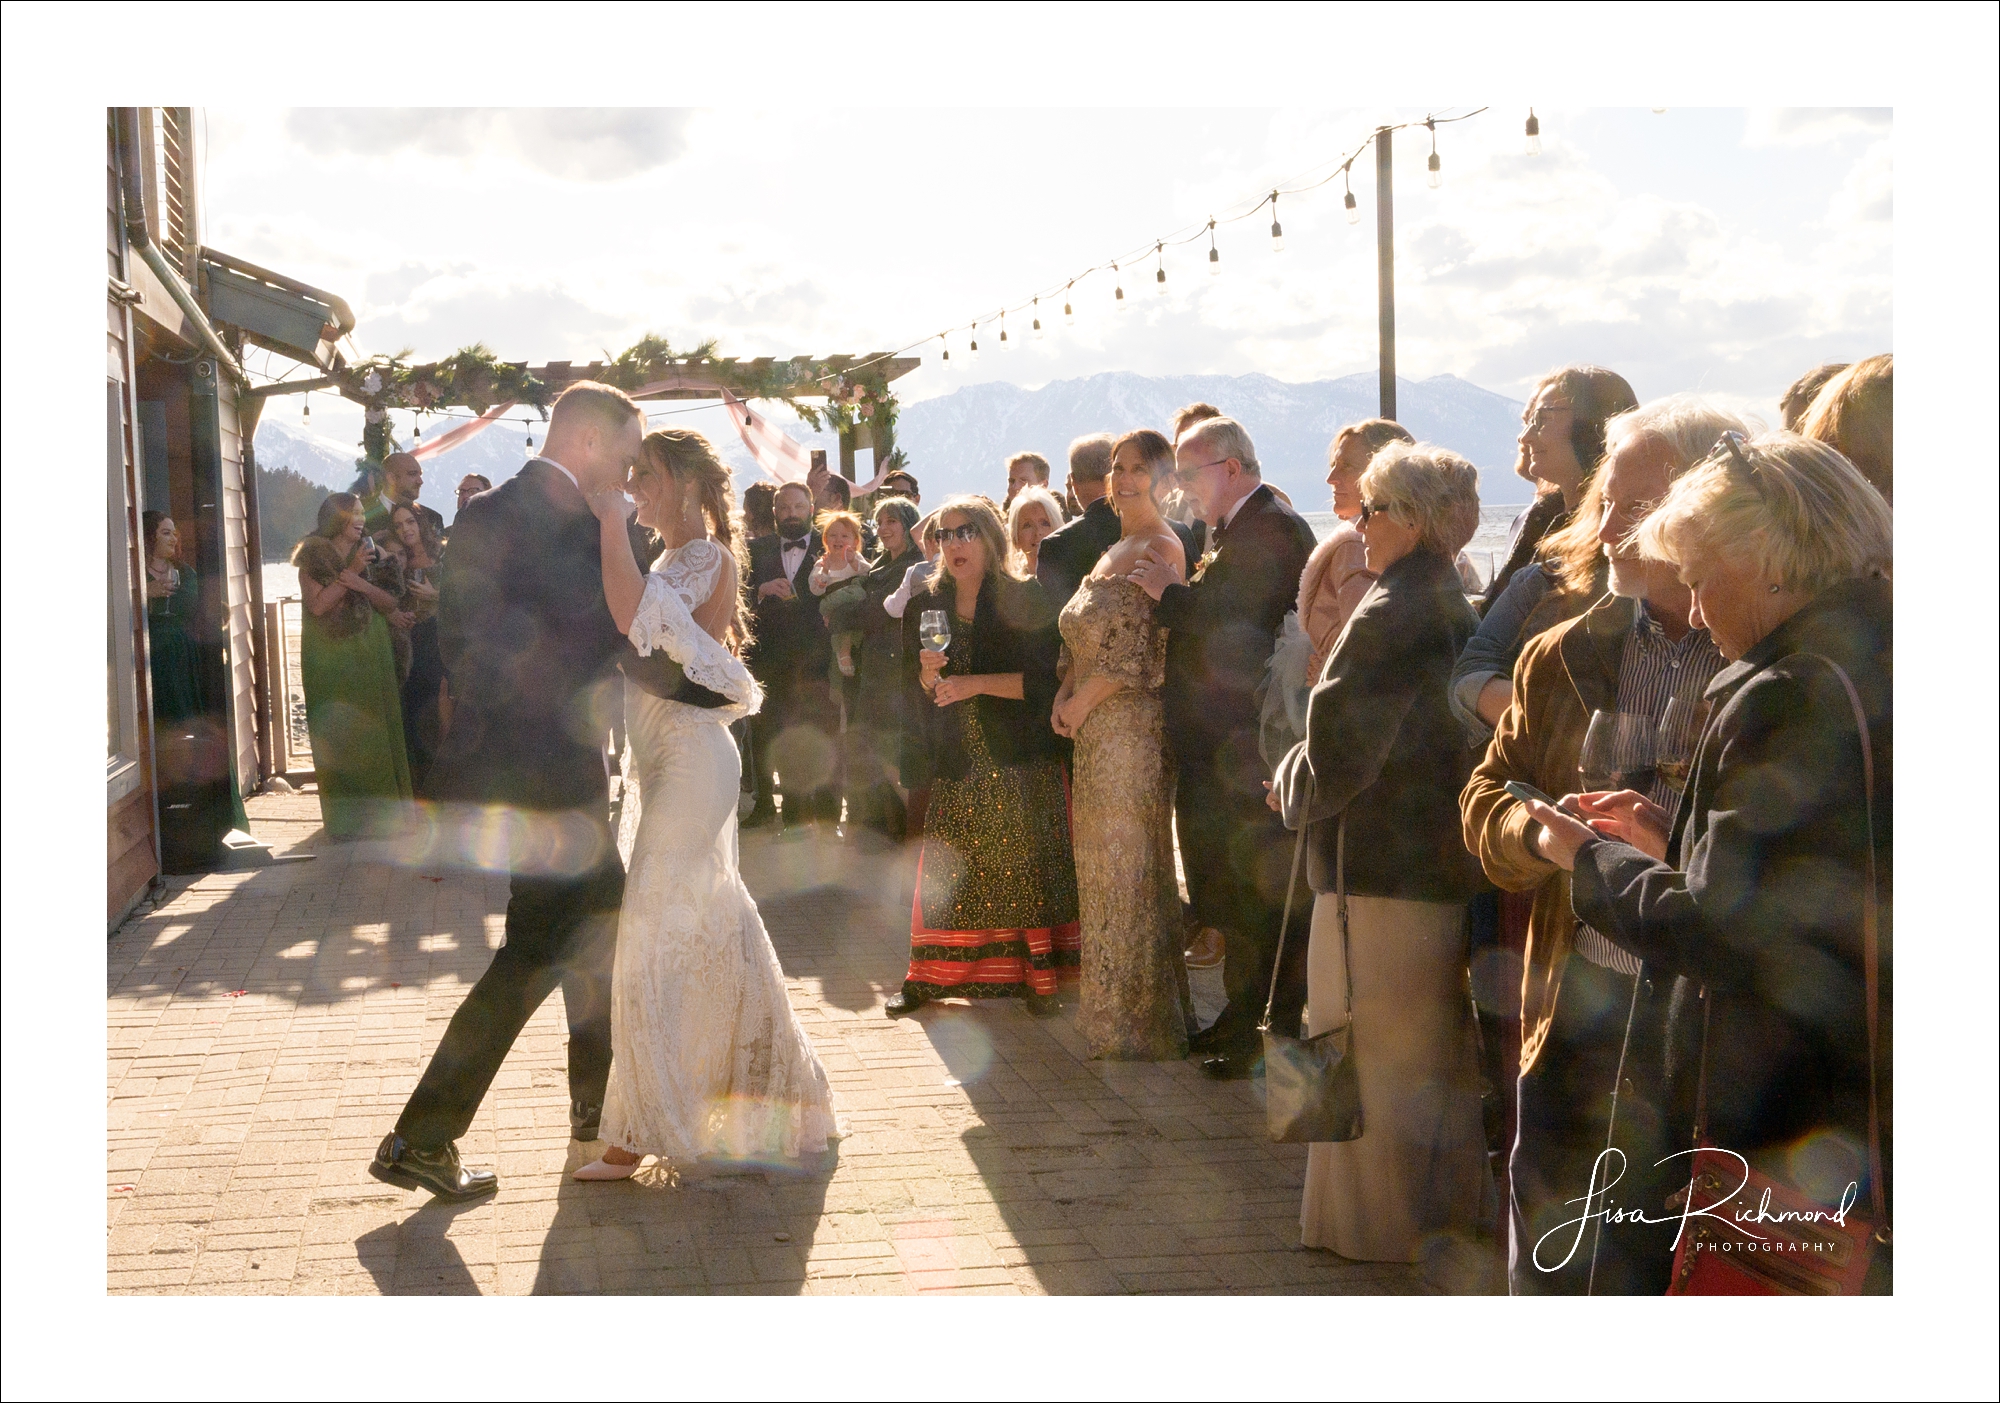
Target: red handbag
x: 1770, y: 1239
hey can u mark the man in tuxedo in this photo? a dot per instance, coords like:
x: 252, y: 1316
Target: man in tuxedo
x: 1223, y: 624
x: 794, y: 733
x: 401, y: 479
x: 532, y: 650
x: 1071, y: 551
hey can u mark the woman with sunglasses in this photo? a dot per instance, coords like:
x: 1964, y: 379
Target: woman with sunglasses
x: 1755, y: 890
x: 1377, y: 780
x: 996, y: 906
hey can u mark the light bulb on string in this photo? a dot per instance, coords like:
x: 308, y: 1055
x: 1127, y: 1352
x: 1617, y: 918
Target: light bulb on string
x: 1347, y: 180
x: 1277, y: 229
x: 1118, y: 289
x: 975, y: 341
x: 1214, y: 258
x: 1069, y: 312
x: 1436, y: 177
x: 1534, y: 134
x: 306, y: 409
x: 946, y: 358
x: 1005, y: 345
x: 1037, y: 328
x: 1160, y: 275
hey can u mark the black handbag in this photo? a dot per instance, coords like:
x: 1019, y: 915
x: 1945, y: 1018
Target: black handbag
x: 1311, y: 1093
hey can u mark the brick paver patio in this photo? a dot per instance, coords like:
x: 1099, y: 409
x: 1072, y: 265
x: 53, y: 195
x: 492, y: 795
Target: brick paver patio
x: 266, y: 1026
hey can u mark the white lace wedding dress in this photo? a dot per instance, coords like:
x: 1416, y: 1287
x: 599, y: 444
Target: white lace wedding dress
x: 707, y: 1058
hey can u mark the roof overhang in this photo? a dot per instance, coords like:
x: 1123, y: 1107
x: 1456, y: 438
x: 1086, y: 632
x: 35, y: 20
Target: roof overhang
x: 281, y: 314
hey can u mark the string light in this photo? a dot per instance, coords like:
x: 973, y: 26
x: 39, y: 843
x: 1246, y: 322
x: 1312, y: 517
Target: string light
x: 1277, y: 229
x: 947, y: 350
x: 1214, y: 258
x: 1347, y: 180
x: 1437, y: 174
x: 1069, y: 312
x: 306, y: 410
x: 1160, y: 277
x: 975, y: 341
x: 1118, y: 288
x: 1003, y: 333
x: 1037, y: 327
x: 1534, y: 134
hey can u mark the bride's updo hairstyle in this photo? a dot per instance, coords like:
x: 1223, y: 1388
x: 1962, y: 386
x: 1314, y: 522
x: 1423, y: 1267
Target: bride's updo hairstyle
x: 690, y: 460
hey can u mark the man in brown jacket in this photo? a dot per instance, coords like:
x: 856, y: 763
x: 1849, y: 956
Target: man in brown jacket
x: 1633, y: 651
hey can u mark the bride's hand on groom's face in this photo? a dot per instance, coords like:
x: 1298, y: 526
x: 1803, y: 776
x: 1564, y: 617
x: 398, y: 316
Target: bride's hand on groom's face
x: 611, y: 505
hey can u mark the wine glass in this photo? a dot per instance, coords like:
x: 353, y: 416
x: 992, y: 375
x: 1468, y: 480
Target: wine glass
x: 1681, y: 725
x: 1619, y: 752
x: 934, y: 627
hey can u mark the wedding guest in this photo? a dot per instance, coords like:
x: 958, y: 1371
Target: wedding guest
x: 996, y: 905
x: 354, y: 709
x: 1032, y: 517
x: 835, y: 582
x: 171, y: 593
x: 1025, y: 470
x: 470, y: 486
x: 1072, y: 549
x: 1223, y: 624
x: 875, y: 722
x: 759, y: 518
x: 1855, y: 413
x: 401, y: 479
x: 1757, y: 887
x: 1798, y: 398
x: 1336, y: 573
x: 1376, y: 780
x: 901, y: 484
x: 1562, y: 436
x: 1135, y: 998
x: 794, y: 733
x: 1632, y: 653
x: 920, y: 572
x: 1180, y: 507
x: 423, y: 673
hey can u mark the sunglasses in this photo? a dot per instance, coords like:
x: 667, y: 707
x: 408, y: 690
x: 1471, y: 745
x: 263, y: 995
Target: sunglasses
x: 1729, y: 451
x: 1369, y: 509
x: 1541, y: 416
x: 967, y: 533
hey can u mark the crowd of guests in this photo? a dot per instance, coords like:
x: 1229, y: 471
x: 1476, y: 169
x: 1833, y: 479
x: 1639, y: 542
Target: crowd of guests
x: 1053, y: 695
x: 1104, y: 717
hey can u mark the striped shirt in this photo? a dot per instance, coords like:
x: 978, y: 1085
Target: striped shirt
x: 1652, y: 672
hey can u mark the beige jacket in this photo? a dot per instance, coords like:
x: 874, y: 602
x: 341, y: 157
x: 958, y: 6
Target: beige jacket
x: 1335, y: 578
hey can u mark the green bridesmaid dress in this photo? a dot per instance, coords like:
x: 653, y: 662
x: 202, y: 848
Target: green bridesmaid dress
x: 354, y: 709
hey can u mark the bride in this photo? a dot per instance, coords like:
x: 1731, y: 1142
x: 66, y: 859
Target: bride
x: 708, y: 1060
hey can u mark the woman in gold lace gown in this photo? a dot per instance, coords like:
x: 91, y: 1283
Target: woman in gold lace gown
x: 1136, y: 1004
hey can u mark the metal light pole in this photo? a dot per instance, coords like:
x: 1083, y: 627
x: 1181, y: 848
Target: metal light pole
x: 1385, y: 267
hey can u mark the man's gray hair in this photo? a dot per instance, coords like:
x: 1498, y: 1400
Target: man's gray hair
x: 1090, y: 458
x: 1686, y: 425
x: 1225, y: 438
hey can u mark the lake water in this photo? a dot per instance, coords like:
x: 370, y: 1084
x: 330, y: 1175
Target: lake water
x: 281, y: 581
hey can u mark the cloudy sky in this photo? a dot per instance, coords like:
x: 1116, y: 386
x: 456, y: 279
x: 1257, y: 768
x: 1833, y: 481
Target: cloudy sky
x: 1716, y: 249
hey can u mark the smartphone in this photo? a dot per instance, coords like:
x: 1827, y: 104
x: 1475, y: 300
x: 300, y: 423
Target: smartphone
x: 1528, y: 791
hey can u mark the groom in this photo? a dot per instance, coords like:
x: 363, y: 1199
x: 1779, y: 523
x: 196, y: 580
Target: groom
x: 531, y: 649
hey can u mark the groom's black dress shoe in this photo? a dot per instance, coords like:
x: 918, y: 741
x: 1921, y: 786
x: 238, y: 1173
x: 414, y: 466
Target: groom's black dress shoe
x: 401, y: 1163
x: 903, y: 1004
x: 583, y: 1118
x: 759, y: 817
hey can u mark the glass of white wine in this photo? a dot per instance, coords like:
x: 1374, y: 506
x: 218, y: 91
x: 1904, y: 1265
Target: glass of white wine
x: 1681, y: 725
x: 934, y: 627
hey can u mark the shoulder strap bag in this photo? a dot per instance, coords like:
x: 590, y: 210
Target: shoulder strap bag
x: 1311, y: 1092
x: 1795, y: 1245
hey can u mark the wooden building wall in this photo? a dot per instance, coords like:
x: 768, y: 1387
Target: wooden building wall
x: 237, y: 566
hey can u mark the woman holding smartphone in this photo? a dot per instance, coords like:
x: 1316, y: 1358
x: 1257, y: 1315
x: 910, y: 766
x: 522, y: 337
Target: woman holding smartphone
x: 996, y: 906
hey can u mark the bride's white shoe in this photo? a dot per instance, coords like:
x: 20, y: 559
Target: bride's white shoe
x: 597, y: 1171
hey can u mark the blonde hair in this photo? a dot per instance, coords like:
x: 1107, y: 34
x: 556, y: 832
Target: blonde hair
x: 689, y: 458
x: 1041, y: 497
x: 835, y: 516
x: 610, y: 407
x: 1803, y: 510
x: 1855, y: 412
x: 981, y: 514
x: 1429, y: 489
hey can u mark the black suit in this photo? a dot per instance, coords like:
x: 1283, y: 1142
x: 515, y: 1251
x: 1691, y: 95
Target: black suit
x: 1072, y: 550
x: 795, y: 733
x: 531, y: 648
x: 1237, y: 853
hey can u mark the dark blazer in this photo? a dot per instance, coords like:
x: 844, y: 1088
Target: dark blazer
x: 1072, y: 550
x: 530, y: 644
x: 1013, y: 630
x: 1382, y: 745
x: 1761, y: 896
x: 1544, y: 514
x: 791, y: 640
x: 1223, y: 627
x: 878, y: 700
